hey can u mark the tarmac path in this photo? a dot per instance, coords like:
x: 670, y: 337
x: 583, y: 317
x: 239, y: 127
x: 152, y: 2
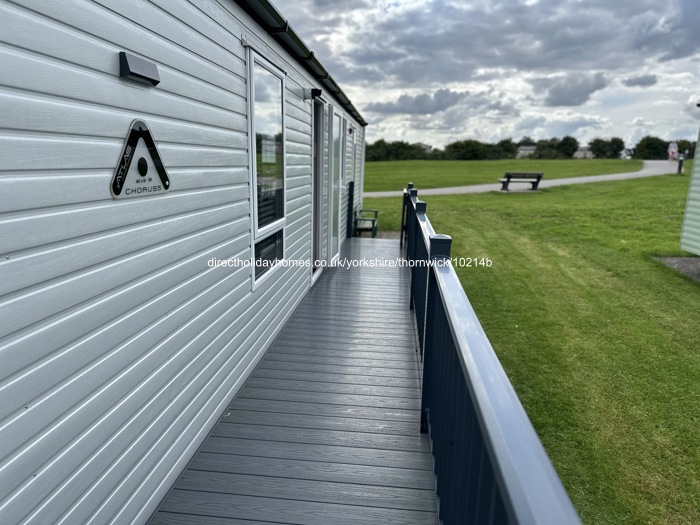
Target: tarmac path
x: 651, y: 168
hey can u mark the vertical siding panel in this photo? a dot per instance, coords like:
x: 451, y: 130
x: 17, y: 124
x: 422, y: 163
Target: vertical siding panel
x: 360, y: 167
x: 690, y: 233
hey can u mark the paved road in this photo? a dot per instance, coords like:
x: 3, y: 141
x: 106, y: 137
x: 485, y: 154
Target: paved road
x: 650, y: 169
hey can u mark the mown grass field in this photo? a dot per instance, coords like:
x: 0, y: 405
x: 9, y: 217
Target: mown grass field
x: 601, y: 341
x: 387, y: 176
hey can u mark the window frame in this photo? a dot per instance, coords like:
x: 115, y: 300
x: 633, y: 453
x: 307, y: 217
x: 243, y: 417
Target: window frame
x: 335, y: 160
x: 259, y: 234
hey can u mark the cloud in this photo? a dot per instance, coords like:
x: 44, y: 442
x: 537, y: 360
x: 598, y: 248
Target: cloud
x: 347, y: 4
x: 641, y: 81
x: 572, y: 89
x: 423, y: 104
x: 540, y: 56
x: 673, y: 32
x: 560, y: 124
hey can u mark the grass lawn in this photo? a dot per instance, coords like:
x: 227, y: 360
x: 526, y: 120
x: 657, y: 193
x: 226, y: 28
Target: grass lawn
x: 387, y: 176
x: 600, y: 341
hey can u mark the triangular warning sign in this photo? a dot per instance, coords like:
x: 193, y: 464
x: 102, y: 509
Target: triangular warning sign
x: 140, y: 171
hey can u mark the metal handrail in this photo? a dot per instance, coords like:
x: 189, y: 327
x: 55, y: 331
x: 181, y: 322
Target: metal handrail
x: 472, y: 411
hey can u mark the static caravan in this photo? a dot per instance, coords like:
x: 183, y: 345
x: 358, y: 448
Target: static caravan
x: 173, y: 177
x: 690, y: 234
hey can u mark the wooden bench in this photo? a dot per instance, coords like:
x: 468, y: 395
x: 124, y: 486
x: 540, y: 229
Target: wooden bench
x: 365, y: 221
x: 517, y: 176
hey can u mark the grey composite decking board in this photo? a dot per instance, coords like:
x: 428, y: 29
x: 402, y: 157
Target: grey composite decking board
x: 364, y: 329
x: 350, y: 411
x: 368, y: 322
x: 366, y: 313
x: 334, y: 388
x: 337, y: 378
x: 392, y: 353
x: 349, y: 424
x: 289, y: 511
x: 331, y: 399
x: 362, y: 332
x: 326, y: 341
x: 169, y: 518
x: 346, y: 347
x: 390, y: 364
x: 326, y: 429
x: 304, y: 490
x: 348, y: 290
x: 315, y: 436
x: 377, y: 457
x: 293, y: 469
x: 350, y: 299
x: 331, y: 369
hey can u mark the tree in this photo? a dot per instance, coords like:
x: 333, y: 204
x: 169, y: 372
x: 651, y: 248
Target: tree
x: 616, y: 146
x: 684, y: 145
x: 376, y: 151
x: 651, y: 148
x: 397, y: 150
x: 400, y: 150
x: 465, y: 150
x: 546, y: 149
x: 526, y: 141
x: 599, y: 148
x: 507, y: 149
x: 607, y: 149
x: 567, y: 146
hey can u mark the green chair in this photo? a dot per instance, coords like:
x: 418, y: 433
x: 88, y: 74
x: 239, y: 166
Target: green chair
x: 365, y: 221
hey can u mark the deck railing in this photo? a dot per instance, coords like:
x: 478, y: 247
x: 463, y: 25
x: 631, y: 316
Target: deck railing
x: 489, y: 464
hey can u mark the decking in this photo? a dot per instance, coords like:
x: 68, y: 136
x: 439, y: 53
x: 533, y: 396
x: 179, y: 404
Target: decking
x: 327, y: 428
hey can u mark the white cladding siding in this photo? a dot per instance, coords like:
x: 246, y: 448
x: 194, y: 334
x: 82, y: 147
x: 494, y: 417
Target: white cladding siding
x: 348, y: 171
x: 298, y: 173
x: 690, y: 234
x: 119, y: 345
x: 359, y: 166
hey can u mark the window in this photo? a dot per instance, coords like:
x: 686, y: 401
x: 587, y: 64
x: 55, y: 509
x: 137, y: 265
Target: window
x: 267, y: 252
x: 267, y: 161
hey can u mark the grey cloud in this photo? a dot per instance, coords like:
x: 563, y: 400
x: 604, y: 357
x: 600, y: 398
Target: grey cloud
x: 528, y: 124
x: 561, y: 128
x: 549, y: 36
x: 440, y: 41
x: 556, y: 126
x: 422, y: 104
x: 572, y: 89
x: 640, y: 81
x: 347, y: 4
x: 672, y: 33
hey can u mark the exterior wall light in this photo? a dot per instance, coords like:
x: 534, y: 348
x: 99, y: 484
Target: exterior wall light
x: 311, y: 93
x: 138, y: 69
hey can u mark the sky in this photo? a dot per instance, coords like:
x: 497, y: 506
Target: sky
x: 438, y: 71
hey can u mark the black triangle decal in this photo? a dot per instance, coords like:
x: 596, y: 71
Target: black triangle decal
x: 140, y: 171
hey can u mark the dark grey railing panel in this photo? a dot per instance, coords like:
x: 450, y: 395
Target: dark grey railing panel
x: 529, y: 482
x: 490, y: 465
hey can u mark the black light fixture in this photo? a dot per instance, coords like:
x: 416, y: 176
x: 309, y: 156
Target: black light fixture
x: 311, y: 93
x: 138, y: 69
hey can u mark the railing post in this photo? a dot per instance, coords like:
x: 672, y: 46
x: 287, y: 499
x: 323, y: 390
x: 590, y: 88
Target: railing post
x: 410, y: 223
x: 415, y: 236
x: 404, y: 212
x: 440, y: 249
